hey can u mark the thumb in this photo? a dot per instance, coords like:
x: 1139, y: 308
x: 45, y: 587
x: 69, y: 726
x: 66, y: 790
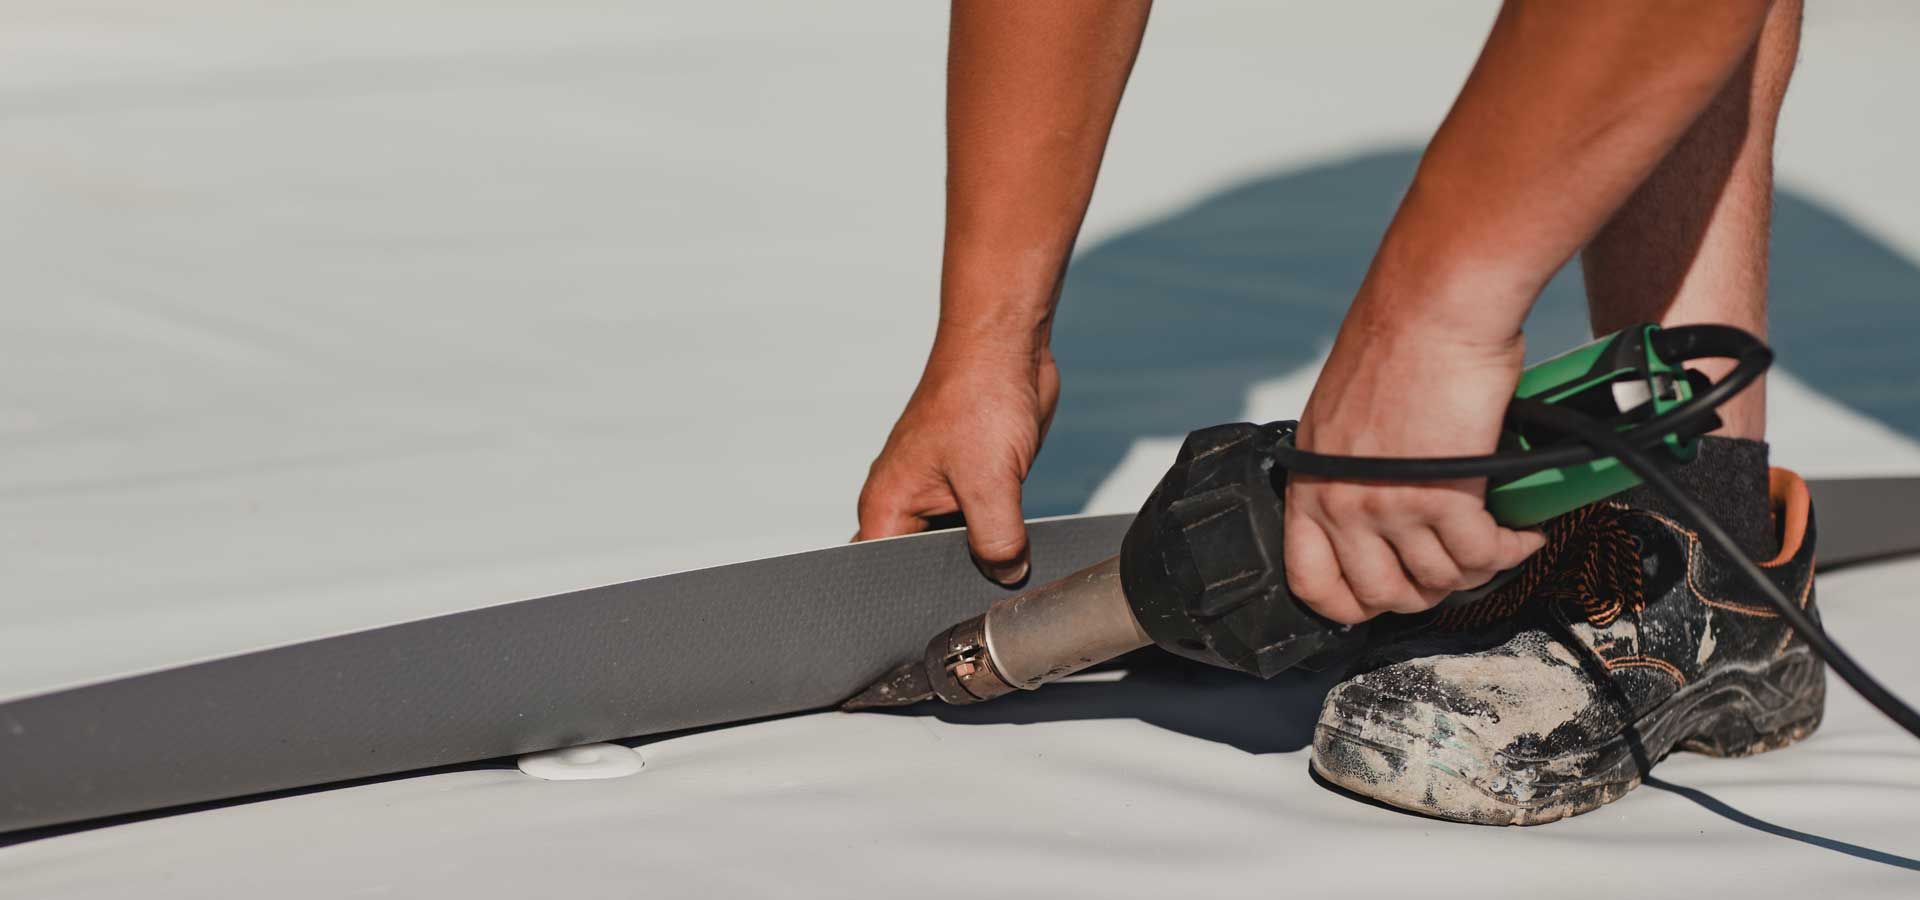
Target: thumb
x: 996, y: 532
x: 1516, y: 546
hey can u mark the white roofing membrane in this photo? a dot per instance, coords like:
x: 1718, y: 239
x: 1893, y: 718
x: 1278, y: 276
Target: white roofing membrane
x: 323, y: 318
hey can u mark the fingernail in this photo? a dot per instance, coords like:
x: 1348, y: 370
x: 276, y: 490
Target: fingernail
x: 1010, y: 574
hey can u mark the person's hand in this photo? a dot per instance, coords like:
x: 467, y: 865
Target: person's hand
x: 1357, y: 549
x: 964, y: 444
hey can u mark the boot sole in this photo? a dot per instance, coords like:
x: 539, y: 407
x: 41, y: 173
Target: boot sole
x: 1434, y: 772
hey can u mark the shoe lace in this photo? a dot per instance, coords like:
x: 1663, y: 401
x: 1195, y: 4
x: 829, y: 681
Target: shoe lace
x: 1591, y: 558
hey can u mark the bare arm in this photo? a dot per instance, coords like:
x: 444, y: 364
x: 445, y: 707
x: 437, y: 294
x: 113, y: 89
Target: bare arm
x: 1032, y: 89
x: 1570, y: 106
x: 1569, y: 109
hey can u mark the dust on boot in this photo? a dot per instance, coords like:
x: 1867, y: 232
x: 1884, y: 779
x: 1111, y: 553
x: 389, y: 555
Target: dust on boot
x: 1623, y: 640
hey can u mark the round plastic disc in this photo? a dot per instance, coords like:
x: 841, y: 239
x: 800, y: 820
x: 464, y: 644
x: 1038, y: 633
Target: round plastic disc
x: 583, y: 763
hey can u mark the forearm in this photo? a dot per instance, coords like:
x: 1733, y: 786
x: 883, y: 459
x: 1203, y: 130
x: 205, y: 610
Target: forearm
x: 1032, y: 89
x: 1567, y: 111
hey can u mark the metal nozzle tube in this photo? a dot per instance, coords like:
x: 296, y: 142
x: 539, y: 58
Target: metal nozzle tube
x: 1034, y: 637
x: 1062, y: 626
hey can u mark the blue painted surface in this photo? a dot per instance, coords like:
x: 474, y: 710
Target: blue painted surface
x: 1162, y: 329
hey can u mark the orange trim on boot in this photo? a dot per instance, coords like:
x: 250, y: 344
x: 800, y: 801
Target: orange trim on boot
x: 1791, y: 502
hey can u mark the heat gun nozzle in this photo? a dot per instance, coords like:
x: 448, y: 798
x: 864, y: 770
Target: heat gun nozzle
x: 904, y: 686
x: 1023, y: 642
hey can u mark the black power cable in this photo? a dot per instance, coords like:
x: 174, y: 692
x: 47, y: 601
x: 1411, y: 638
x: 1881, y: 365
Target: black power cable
x: 1596, y: 440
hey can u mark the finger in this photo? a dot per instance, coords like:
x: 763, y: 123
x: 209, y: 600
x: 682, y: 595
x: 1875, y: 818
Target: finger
x: 884, y: 514
x: 1373, y: 570
x: 889, y: 525
x: 1473, y: 540
x: 1427, y: 560
x: 996, y: 532
x: 1516, y: 546
x: 1313, y: 572
x: 1480, y: 547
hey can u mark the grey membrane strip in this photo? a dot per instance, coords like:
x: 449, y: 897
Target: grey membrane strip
x: 696, y: 648
x: 1861, y: 520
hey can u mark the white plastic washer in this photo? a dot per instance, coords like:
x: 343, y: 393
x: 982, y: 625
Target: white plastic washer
x: 585, y: 762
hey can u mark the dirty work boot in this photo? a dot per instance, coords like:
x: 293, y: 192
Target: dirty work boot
x: 1622, y: 640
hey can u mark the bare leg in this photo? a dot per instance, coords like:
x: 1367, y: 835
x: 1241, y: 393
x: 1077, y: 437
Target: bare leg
x: 1691, y: 244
